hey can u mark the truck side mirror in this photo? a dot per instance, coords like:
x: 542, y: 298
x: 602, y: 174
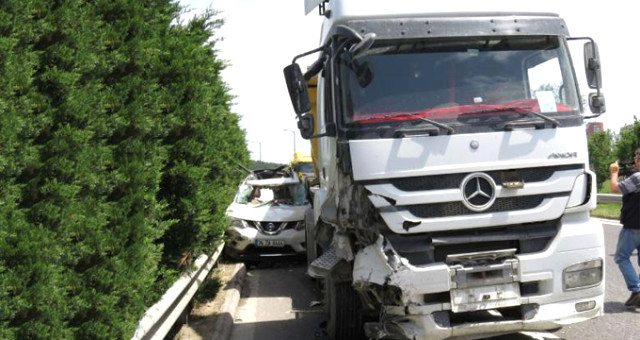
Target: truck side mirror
x: 297, y: 89
x: 597, y: 103
x: 594, y: 77
x: 592, y: 65
x: 306, y: 125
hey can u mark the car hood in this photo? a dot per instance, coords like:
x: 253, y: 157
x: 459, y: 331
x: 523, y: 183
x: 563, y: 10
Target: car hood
x: 268, y: 212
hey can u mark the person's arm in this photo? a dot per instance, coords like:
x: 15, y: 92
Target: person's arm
x: 614, y: 168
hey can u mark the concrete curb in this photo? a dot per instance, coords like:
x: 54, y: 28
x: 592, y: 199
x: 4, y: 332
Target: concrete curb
x: 230, y: 299
x: 610, y: 222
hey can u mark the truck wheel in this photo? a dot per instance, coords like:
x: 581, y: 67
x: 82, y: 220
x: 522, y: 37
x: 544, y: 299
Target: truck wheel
x: 345, y: 312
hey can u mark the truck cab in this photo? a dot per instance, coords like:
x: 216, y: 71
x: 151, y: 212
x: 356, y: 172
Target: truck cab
x: 454, y: 187
x: 303, y: 165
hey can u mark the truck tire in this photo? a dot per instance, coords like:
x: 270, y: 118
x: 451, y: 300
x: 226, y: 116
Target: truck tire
x: 344, y: 312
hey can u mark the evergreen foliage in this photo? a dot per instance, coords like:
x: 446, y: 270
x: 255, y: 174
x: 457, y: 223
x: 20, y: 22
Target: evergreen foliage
x: 200, y: 177
x: 115, y: 140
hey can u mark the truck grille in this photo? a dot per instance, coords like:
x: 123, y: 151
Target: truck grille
x: 452, y: 200
x: 451, y: 181
x: 425, y: 248
x: 457, y: 208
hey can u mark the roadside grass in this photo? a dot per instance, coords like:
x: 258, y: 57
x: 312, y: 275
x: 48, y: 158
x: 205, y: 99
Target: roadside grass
x: 607, y: 210
x: 605, y: 189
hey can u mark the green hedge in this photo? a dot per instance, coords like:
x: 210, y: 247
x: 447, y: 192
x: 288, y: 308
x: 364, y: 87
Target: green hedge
x: 115, y: 140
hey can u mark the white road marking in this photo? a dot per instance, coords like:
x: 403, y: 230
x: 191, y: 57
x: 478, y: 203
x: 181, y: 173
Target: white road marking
x: 541, y: 335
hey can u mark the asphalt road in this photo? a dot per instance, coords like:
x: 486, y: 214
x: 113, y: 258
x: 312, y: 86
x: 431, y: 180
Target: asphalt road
x: 280, y: 302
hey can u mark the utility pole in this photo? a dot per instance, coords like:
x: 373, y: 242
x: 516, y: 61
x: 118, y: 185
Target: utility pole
x: 260, y: 145
x: 294, y: 140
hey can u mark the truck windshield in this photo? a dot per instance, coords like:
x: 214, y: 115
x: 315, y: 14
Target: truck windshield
x: 468, y: 84
x: 304, y: 167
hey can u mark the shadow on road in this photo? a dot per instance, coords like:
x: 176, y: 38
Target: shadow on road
x: 279, y: 302
x: 281, y: 329
x: 618, y: 307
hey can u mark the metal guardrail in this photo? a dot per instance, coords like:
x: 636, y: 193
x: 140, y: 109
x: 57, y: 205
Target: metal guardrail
x: 609, y: 198
x: 159, y: 318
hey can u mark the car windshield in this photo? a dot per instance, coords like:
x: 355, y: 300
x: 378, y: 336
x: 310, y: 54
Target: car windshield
x: 470, y: 82
x: 290, y: 194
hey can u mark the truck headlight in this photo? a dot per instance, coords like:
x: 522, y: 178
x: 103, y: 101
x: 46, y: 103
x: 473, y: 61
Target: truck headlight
x: 582, y: 275
x: 579, y: 191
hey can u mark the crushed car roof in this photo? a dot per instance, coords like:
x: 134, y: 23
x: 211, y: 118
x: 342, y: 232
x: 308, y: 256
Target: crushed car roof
x: 274, y: 181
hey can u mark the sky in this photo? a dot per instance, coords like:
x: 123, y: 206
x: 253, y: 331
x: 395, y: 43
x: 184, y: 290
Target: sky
x: 261, y: 37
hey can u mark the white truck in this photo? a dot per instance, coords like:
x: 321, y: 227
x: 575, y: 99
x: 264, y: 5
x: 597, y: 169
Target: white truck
x: 454, y: 187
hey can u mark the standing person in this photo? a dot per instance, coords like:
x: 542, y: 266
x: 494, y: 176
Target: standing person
x: 629, y: 239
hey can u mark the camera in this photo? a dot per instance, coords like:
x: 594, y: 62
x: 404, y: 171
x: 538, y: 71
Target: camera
x: 627, y: 168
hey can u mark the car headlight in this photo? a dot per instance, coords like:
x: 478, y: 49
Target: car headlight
x: 582, y: 275
x: 237, y: 223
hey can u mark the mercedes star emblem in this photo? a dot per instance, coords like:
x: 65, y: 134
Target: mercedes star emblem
x: 478, y: 191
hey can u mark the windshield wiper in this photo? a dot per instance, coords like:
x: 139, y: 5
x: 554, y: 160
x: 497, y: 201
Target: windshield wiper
x: 449, y: 129
x: 554, y: 122
x: 518, y: 109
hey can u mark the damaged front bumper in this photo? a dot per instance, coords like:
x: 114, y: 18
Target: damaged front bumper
x: 251, y: 244
x: 480, y: 294
x: 431, y: 322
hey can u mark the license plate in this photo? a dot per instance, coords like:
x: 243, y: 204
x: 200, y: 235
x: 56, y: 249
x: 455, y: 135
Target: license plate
x: 486, y: 297
x: 269, y: 243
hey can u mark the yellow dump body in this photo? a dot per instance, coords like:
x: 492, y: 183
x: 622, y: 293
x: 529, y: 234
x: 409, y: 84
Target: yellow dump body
x: 312, y: 88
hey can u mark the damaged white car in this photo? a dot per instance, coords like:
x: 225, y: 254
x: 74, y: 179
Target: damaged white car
x: 267, y: 216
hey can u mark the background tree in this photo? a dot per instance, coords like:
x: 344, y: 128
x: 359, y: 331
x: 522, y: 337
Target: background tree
x: 260, y: 165
x: 601, y: 155
x: 629, y: 141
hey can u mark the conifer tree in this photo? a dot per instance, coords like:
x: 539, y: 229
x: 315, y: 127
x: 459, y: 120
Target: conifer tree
x: 204, y: 142
x: 97, y: 108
